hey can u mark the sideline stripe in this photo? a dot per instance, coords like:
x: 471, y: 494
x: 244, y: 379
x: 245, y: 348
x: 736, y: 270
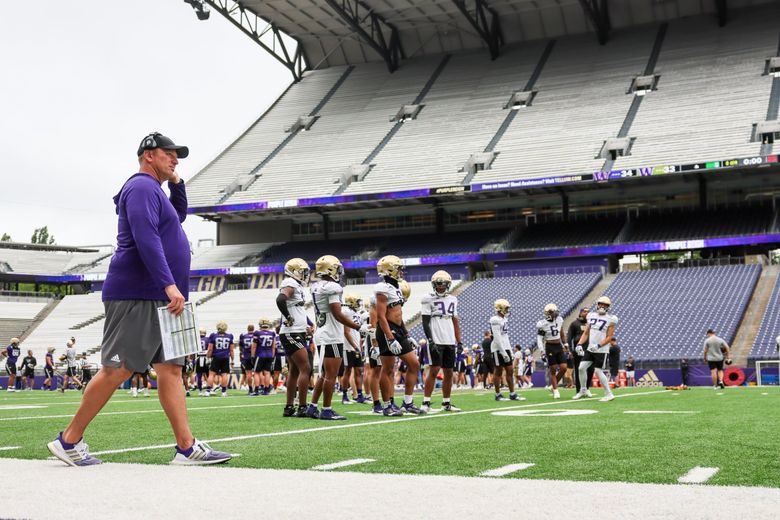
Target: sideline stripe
x: 31, y: 417
x: 660, y: 411
x: 342, y: 464
x: 698, y: 475
x: 370, y: 423
x: 5, y: 407
x: 505, y: 470
x: 9, y: 448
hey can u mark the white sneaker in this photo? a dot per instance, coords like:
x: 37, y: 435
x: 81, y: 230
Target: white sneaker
x: 223, y: 394
x: 426, y: 408
x: 134, y: 392
x: 146, y: 392
x: 548, y: 387
x: 607, y: 398
x: 556, y: 394
x: 200, y: 455
x: 588, y: 394
x: 206, y: 393
x: 11, y: 389
x: 578, y: 395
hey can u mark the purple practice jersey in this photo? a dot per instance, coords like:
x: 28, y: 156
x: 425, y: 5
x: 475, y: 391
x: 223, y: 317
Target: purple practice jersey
x: 13, y: 352
x: 422, y: 354
x: 49, y: 359
x: 279, y: 349
x: 245, y: 340
x: 265, y: 343
x: 221, y: 344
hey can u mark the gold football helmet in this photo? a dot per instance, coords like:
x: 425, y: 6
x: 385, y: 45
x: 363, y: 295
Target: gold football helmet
x: 298, y: 269
x: 14, y: 341
x: 550, y: 311
x: 406, y: 289
x: 329, y: 265
x: 353, y: 301
x: 390, y: 266
x: 441, y: 280
x: 502, y: 306
x: 203, y: 331
x: 222, y: 327
x: 264, y: 323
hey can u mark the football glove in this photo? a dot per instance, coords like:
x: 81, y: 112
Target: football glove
x: 593, y: 347
x: 374, y: 353
x: 364, y: 328
x: 289, y: 321
x: 579, y: 350
x: 395, y: 347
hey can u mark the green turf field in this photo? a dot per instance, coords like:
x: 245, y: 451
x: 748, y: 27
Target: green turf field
x: 734, y: 430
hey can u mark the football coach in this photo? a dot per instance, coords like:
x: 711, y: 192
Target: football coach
x: 149, y: 269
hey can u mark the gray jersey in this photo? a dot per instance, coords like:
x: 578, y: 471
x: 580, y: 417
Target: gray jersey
x: 295, y: 307
x: 70, y: 357
x: 714, y: 346
x: 392, y: 293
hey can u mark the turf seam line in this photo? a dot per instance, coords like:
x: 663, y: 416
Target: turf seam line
x: 342, y: 464
x: 506, y: 470
x: 131, y: 412
x: 698, y: 475
x: 368, y: 423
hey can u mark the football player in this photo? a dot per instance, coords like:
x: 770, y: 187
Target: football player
x: 392, y: 336
x: 292, y: 334
x: 220, y: 352
x: 374, y: 373
x: 442, y: 328
x: 263, y: 353
x: 28, y: 370
x: 246, y: 340
x: 501, y: 349
x: 12, y: 352
x: 552, y: 339
x: 329, y: 336
x: 202, y: 364
x: 598, y: 332
x: 50, y: 382
x: 280, y: 362
x: 70, y: 358
x: 353, y: 363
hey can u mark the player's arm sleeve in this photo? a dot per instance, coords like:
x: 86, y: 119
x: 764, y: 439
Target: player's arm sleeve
x: 178, y: 199
x: 281, y: 304
x: 143, y: 215
x: 426, y: 323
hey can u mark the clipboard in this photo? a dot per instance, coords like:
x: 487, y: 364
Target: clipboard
x: 179, y: 333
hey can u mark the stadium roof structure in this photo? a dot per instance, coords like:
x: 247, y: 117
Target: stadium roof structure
x: 315, y: 34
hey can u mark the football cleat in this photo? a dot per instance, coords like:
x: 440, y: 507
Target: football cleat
x: 199, y: 454
x: 72, y: 454
x: 330, y: 415
x: 392, y: 411
x: 411, y: 408
x: 448, y: 407
x: 514, y: 397
x: 607, y: 398
x: 556, y: 394
x: 500, y: 397
x: 426, y: 408
x: 311, y: 411
x: 587, y: 393
x: 362, y: 400
x: 223, y: 394
x: 377, y: 408
x: 301, y: 412
x: 289, y: 411
x: 347, y: 401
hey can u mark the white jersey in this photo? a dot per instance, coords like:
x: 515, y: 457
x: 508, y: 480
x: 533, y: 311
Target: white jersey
x: 70, y: 357
x: 441, y: 309
x: 329, y: 330
x: 392, y: 293
x: 355, y: 335
x: 500, y: 329
x: 598, y: 325
x: 295, y: 307
x: 550, y: 330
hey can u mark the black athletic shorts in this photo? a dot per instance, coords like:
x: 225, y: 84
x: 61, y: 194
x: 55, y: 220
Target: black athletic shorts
x: 715, y: 365
x: 279, y: 362
x: 598, y: 360
x: 555, y: 354
x: 49, y: 371
x: 263, y: 364
x: 29, y: 372
x: 10, y: 368
x: 374, y: 362
x: 188, y: 368
x: 220, y: 365
x: 332, y: 350
x: 201, y: 369
x: 247, y: 365
x: 399, y: 331
x: 71, y: 372
x: 293, y: 342
x: 442, y: 355
x: 353, y: 359
x: 498, y: 360
x: 402, y: 367
x: 86, y: 375
x: 461, y: 367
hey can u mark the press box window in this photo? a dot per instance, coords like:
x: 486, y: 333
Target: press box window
x: 406, y: 113
x: 772, y: 67
x: 766, y: 132
x: 615, y: 147
x: 641, y: 85
x: 520, y: 99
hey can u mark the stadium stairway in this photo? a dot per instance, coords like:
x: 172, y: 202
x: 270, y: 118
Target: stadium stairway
x: 39, y: 318
x: 751, y: 321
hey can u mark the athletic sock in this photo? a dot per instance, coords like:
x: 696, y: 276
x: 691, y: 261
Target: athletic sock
x: 344, y: 395
x: 387, y: 404
x: 445, y: 400
x: 377, y: 402
x: 327, y: 408
x: 604, y: 381
x: 224, y: 389
x: 360, y: 394
x: 426, y: 401
x: 408, y: 399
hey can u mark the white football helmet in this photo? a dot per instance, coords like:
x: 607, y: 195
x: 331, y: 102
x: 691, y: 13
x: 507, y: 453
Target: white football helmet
x: 550, y: 311
x: 441, y: 280
x: 603, y: 304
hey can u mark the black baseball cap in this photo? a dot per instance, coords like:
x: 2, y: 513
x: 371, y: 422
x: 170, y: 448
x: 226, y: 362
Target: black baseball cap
x: 157, y: 140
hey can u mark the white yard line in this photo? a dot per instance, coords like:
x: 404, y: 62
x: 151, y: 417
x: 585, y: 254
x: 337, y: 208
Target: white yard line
x: 163, y: 485
x: 9, y: 448
x: 505, y: 470
x: 698, y: 475
x: 367, y: 423
x: 134, y: 412
x: 342, y: 464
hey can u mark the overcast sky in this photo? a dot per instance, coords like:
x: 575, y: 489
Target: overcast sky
x: 82, y: 81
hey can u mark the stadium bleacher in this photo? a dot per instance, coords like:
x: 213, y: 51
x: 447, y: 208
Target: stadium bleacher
x: 32, y: 261
x: 685, y: 225
x: 764, y: 345
x: 664, y: 313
